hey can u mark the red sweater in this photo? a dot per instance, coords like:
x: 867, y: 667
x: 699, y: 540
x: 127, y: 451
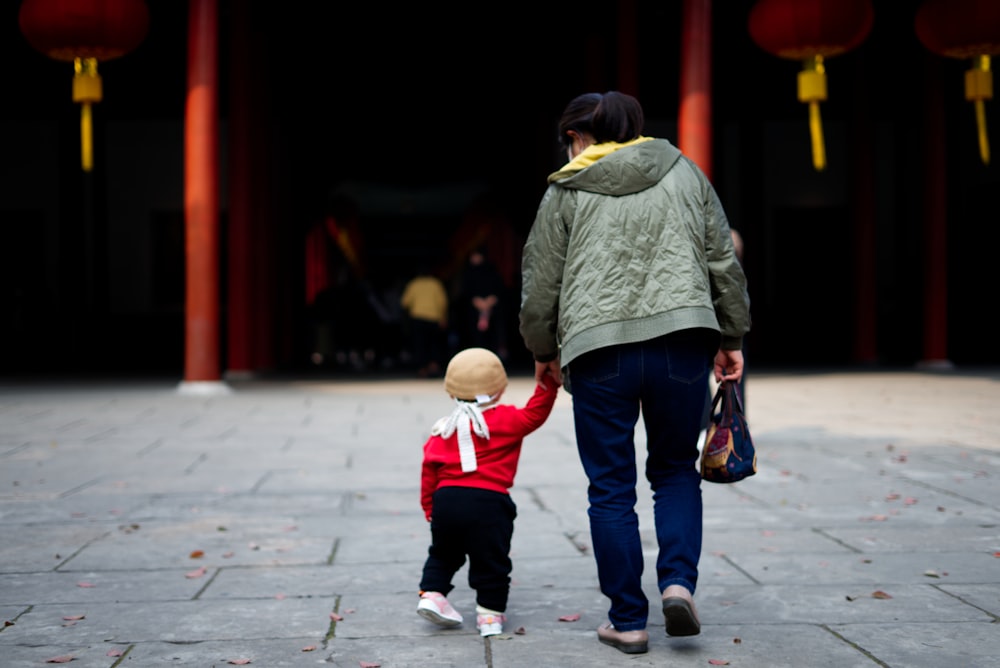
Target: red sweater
x: 496, y: 457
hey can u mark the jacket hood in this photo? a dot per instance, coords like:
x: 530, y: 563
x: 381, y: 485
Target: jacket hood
x: 618, y: 169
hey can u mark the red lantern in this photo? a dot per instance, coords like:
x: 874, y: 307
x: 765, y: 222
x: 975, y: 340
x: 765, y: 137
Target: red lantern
x: 84, y: 32
x: 965, y: 29
x: 810, y: 31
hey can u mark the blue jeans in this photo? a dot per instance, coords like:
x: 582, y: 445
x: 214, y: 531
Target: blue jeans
x: 665, y: 379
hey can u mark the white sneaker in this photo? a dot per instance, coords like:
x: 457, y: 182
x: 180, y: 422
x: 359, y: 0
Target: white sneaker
x: 489, y: 622
x: 435, y: 607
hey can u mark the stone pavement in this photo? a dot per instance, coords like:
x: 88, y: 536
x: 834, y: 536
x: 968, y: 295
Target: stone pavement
x: 279, y: 525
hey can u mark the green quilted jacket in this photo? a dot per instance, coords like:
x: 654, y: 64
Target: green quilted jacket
x: 630, y: 242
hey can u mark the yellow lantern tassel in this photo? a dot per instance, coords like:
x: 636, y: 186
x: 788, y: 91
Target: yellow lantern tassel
x: 816, y: 134
x: 86, y: 90
x: 984, y: 140
x: 86, y: 137
x: 812, y: 89
x: 979, y: 87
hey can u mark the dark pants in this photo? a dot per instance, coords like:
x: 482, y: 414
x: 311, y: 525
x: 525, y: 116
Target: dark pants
x: 478, y: 523
x: 665, y: 381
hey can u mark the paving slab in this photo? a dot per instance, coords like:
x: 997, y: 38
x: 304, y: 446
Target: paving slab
x: 280, y: 523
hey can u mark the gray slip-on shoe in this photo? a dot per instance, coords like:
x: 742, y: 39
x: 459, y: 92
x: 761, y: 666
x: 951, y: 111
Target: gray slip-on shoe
x: 630, y: 642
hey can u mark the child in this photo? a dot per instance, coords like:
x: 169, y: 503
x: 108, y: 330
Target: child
x: 469, y: 464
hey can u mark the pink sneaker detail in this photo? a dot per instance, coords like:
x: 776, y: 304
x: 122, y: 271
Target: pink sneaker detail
x: 490, y: 624
x: 434, y: 607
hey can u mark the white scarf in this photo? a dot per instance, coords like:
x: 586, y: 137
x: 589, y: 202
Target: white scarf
x: 466, y: 418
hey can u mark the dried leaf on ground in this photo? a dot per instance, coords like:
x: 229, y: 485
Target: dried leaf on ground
x: 880, y: 594
x: 369, y: 664
x: 197, y: 573
x: 335, y: 617
x: 114, y: 652
x: 85, y: 585
x: 520, y: 631
x: 239, y: 662
x: 61, y: 659
x: 309, y: 648
x: 73, y: 618
x: 570, y: 618
x: 718, y: 662
x: 197, y: 554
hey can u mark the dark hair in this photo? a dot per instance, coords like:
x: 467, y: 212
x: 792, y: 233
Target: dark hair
x: 611, y: 116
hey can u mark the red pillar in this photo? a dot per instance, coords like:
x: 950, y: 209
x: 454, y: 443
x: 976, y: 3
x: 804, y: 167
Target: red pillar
x: 201, y: 200
x: 935, y: 221
x: 694, y: 124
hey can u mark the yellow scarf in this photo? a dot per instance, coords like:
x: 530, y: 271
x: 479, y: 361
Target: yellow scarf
x: 595, y: 152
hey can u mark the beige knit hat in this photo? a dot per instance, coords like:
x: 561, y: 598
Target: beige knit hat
x: 475, y: 374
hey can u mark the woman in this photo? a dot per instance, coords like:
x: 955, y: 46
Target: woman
x: 631, y: 288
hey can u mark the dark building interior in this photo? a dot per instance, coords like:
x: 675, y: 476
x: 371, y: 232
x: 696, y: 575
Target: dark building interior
x: 431, y: 122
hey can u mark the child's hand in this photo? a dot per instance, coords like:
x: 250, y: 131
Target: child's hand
x: 548, y: 372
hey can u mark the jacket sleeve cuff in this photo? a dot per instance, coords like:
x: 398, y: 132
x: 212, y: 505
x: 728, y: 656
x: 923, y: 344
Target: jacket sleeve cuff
x: 732, y: 343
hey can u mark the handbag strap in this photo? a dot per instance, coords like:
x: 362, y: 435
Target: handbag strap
x: 727, y: 399
x: 732, y: 405
x: 737, y: 399
x: 722, y: 403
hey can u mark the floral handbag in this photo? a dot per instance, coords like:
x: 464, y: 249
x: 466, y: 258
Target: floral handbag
x: 728, y: 454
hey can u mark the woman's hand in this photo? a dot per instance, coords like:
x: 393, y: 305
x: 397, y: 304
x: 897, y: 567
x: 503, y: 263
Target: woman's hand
x: 550, y: 370
x: 728, y: 365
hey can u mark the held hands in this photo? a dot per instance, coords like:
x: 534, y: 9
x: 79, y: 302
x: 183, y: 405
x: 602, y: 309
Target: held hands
x: 548, y: 370
x: 728, y: 365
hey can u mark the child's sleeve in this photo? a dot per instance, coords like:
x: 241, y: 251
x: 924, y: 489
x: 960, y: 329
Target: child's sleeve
x: 539, y: 406
x: 428, y: 483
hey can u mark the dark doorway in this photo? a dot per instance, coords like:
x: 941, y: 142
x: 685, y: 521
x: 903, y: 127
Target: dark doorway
x: 802, y: 311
